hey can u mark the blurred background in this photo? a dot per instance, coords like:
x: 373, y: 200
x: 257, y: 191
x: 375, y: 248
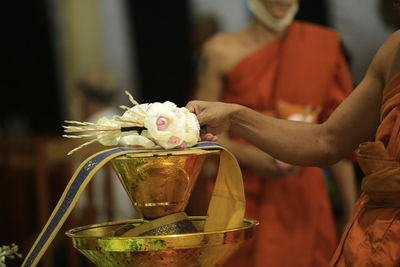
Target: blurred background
x: 51, y: 49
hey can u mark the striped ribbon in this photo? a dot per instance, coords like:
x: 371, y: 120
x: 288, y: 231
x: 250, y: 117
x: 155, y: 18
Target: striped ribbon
x: 74, y: 189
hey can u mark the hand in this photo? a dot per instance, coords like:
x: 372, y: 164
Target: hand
x: 215, y: 117
x: 286, y: 169
x: 273, y: 168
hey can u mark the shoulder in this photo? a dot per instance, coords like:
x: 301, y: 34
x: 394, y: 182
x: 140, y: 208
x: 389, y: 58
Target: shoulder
x: 392, y: 42
x: 386, y: 62
x: 219, y: 44
x: 388, y: 56
x: 223, y: 50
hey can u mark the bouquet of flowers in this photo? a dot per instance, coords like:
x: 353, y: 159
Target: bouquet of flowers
x: 143, y: 125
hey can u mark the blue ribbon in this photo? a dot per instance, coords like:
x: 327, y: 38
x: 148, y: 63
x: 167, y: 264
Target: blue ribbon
x: 61, y: 214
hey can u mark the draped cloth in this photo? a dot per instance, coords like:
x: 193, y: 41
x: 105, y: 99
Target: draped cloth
x: 304, y: 68
x: 372, y: 236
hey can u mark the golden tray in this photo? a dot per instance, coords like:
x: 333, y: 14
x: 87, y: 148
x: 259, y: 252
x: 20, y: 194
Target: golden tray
x: 193, y: 249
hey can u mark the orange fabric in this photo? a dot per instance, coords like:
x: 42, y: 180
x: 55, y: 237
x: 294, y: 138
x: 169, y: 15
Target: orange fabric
x: 372, y: 237
x: 304, y: 68
x: 382, y: 175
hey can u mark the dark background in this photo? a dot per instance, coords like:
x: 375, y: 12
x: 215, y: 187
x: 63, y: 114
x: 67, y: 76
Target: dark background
x: 31, y: 101
x: 29, y: 83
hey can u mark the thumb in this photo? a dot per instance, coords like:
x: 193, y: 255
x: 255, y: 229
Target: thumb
x: 191, y: 106
x: 195, y: 107
x: 202, y: 119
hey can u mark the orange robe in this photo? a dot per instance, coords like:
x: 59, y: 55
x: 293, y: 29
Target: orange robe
x: 372, y: 238
x: 305, y: 67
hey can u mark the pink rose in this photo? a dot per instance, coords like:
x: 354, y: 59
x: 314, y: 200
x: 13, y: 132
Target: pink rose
x: 176, y: 112
x: 173, y: 140
x: 162, y: 123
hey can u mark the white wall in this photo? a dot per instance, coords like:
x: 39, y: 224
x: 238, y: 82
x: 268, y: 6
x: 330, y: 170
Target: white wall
x: 117, y: 48
x: 232, y: 14
x: 98, y: 34
x: 357, y: 21
x: 361, y: 29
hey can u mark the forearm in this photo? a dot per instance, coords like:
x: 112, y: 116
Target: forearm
x: 290, y: 141
x: 251, y: 157
x: 299, y: 143
x: 344, y: 178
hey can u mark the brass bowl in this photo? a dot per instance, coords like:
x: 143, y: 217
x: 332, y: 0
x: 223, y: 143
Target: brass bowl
x: 160, y: 183
x: 194, y: 249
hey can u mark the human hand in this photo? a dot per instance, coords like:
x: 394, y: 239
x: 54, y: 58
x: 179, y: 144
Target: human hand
x: 266, y: 166
x: 273, y: 168
x: 286, y: 169
x: 214, y: 117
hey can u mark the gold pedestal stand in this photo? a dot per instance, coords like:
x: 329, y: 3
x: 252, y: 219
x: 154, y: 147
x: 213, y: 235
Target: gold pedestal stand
x: 196, y: 249
x: 159, y: 185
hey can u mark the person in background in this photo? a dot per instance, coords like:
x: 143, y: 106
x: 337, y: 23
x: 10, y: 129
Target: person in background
x: 369, y: 118
x: 96, y: 91
x: 389, y: 14
x: 203, y: 26
x: 290, y: 70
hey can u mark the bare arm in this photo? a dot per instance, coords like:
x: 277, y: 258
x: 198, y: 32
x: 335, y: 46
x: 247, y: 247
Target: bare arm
x: 210, y: 72
x: 344, y: 178
x: 353, y: 122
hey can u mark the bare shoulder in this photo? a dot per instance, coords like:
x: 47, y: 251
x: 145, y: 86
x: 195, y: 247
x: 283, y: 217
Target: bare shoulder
x: 390, y: 46
x: 386, y: 62
x: 222, y: 51
x: 394, y: 38
x: 219, y: 44
x: 391, y: 55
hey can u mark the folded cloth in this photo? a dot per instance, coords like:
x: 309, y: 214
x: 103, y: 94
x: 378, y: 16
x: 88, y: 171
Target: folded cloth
x: 382, y: 175
x: 176, y: 223
x: 372, y: 236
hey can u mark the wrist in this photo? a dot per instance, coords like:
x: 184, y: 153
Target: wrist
x: 234, y: 114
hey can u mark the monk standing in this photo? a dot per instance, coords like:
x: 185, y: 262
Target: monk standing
x: 371, y: 112
x: 290, y: 70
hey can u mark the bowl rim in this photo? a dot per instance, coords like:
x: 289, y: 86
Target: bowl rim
x: 74, y: 232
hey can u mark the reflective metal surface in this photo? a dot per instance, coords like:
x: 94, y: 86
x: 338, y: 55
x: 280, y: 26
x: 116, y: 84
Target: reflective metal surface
x: 194, y: 249
x: 160, y: 183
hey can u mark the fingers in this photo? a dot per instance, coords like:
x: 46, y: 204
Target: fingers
x: 286, y: 169
x: 283, y: 165
x: 190, y: 107
x: 209, y: 137
x: 193, y: 106
x: 205, y: 135
x: 197, y: 107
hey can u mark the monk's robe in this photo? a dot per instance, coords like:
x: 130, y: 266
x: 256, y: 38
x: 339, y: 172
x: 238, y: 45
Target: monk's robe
x: 372, y: 238
x: 304, y: 68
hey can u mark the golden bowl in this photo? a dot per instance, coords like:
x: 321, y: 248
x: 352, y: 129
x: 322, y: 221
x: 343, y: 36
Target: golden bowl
x: 183, y: 250
x: 160, y: 183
